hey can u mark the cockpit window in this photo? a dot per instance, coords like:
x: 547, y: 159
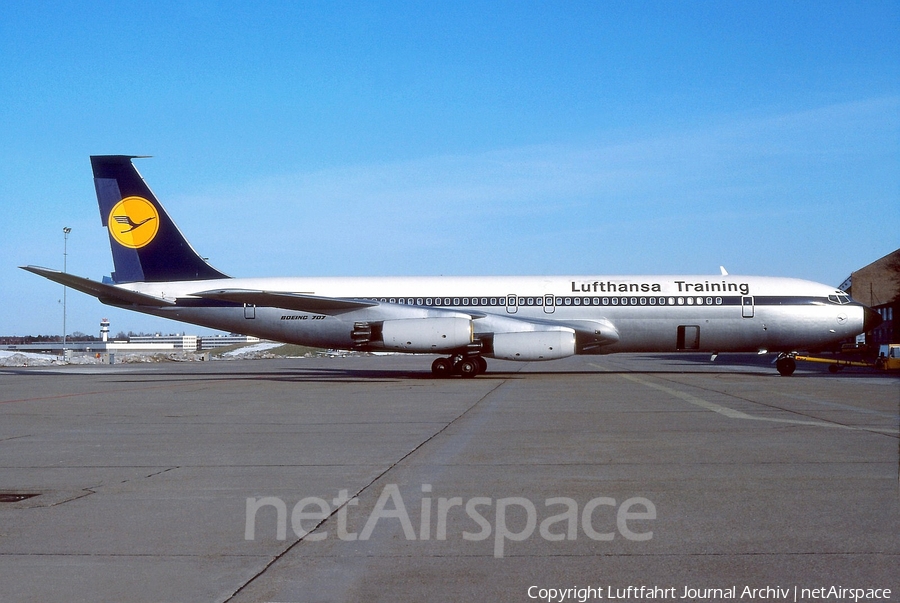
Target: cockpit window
x: 839, y: 299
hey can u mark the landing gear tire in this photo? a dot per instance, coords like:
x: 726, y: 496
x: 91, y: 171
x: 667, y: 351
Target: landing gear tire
x: 786, y: 366
x: 464, y: 366
x: 834, y: 368
x: 442, y: 367
x: 482, y: 364
x: 468, y: 367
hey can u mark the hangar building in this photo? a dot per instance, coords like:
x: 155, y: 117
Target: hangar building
x: 878, y: 286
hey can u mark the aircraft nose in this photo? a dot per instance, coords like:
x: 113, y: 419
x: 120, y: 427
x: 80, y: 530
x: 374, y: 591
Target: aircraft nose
x: 871, y: 319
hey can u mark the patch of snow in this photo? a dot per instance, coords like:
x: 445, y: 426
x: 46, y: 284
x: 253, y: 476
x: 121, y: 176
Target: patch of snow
x: 254, y: 349
x: 14, y: 358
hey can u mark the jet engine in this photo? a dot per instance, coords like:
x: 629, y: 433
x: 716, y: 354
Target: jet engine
x: 534, y: 345
x: 426, y: 334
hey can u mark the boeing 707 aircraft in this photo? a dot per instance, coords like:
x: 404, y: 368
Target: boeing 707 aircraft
x: 463, y: 319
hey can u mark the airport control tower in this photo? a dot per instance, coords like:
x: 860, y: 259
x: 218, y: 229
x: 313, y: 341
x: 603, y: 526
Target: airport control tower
x: 104, y: 329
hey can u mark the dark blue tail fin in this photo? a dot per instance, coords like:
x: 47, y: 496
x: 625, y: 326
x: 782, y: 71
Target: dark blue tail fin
x: 146, y: 244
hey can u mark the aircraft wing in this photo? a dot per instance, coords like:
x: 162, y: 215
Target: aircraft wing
x: 107, y: 294
x: 300, y: 302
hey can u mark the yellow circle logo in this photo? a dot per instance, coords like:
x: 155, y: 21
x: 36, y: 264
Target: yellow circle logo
x: 133, y: 222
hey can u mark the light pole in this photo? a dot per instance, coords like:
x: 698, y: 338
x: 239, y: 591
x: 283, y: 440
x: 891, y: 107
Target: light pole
x: 66, y: 231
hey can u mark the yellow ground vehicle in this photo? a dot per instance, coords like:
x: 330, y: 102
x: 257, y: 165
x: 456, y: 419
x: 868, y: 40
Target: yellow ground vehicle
x: 888, y: 359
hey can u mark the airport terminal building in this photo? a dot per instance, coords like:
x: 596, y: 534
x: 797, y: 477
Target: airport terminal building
x: 136, y: 344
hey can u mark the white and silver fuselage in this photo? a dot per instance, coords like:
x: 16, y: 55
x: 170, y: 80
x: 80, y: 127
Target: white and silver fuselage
x: 609, y: 313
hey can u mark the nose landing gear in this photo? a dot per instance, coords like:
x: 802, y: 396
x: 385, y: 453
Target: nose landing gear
x: 785, y: 364
x: 464, y: 366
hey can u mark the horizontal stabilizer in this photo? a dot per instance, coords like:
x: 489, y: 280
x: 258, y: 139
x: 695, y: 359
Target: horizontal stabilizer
x: 288, y: 301
x: 108, y: 294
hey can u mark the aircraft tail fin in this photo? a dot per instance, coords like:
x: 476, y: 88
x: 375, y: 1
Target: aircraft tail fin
x: 146, y: 244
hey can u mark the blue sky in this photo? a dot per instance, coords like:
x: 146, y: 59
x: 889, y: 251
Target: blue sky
x: 329, y: 138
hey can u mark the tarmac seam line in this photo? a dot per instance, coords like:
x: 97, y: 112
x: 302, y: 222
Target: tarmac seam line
x: 266, y: 567
x: 735, y: 414
x: 816, y: 422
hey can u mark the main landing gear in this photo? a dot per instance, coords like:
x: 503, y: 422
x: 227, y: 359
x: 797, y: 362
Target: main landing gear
x: 785, y: 364
x: 464, y: 366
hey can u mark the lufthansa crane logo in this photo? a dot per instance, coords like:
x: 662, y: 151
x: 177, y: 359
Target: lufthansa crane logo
x: 133, y: 222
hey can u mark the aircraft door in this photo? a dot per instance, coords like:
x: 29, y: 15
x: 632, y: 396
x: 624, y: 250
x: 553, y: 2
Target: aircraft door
x: 747, y: 306
x: 549, y: 304
x: 688, y: 338
x: 249, y: 311
x: 512, y: 303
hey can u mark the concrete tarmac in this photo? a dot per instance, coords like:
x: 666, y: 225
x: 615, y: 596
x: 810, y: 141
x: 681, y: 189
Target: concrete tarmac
x: 364, y: 478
